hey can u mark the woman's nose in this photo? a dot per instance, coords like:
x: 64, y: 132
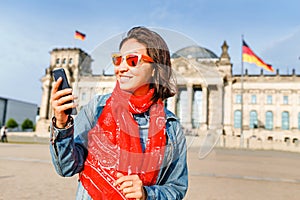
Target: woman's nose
x: 123, y: 66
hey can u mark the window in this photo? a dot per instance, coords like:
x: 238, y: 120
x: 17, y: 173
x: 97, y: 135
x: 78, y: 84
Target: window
x: 285, y: 121
x: 71, y: 61
x: 285, y: 100
x: 253, y: 119
x: 269, y: 120
x: 57, y: 61
x: 253, y: 99
x: 269, y: 99
x: 238, y: 99
x: 237, y: 119
x: 197, y: 107
x: 64, y: 61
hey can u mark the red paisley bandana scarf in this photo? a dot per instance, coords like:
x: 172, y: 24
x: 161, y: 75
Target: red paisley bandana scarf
x: 114, y: 144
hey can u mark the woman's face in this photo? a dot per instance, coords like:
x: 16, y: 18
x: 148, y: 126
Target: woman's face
x: 134, y: 79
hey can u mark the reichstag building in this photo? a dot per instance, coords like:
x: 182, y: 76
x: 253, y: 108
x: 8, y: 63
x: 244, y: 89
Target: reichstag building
x: 209, y: 96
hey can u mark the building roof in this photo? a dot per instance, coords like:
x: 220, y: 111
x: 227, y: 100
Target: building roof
x: 194, y: 51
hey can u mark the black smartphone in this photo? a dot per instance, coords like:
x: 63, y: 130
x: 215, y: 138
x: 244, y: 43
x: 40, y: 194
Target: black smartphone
x: 60, y: 72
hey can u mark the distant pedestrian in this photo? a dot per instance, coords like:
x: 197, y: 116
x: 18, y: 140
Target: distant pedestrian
x: 3, y: 134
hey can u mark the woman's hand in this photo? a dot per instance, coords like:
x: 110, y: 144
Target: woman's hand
x: 58, y: 100
x: 131, y: 186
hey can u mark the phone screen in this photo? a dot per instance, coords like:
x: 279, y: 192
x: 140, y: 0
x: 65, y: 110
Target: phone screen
x: 60, y: 72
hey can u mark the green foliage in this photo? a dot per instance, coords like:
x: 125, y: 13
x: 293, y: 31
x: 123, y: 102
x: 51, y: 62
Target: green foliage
x: 27, y: 124
x: 11, y: 123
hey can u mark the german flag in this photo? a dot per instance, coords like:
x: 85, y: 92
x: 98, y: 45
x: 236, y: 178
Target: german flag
x: 250, y: 57
x: 78, y: 35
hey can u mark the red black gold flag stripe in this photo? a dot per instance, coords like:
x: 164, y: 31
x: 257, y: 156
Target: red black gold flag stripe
x: 78, y: 35
x: 250, y: 57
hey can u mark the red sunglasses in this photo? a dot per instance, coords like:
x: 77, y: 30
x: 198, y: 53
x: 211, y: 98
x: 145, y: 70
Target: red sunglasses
x: 132, y: 59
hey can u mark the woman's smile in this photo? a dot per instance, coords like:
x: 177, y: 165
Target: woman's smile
x: 125, y: 79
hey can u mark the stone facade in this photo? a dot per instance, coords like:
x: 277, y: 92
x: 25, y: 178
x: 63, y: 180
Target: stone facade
x: 271, y: 106
x: 209, y: 99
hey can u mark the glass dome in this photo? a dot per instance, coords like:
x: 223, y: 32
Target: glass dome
x: 194, y: 52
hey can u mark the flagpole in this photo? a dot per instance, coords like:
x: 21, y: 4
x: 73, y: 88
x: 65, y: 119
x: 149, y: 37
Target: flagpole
x: 242, y: 98
x: 74, y: 41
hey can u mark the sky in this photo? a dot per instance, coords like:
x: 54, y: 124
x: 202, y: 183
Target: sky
x: 30, y: 29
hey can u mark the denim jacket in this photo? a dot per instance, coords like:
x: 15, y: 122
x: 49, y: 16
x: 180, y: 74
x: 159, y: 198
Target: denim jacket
x: 68, y: 149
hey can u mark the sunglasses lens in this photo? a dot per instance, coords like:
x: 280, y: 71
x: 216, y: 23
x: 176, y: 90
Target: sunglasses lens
x: 132, y: 60
x: 117, y: 60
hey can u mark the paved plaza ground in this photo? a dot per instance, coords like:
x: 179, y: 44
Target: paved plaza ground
x: 26, y: 172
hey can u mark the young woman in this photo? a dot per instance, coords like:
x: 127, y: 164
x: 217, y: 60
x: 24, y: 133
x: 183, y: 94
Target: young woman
x: 125, y: 145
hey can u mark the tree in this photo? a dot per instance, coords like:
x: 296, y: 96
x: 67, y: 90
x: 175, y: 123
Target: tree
x: 27, y: 124
x: 11, y: 123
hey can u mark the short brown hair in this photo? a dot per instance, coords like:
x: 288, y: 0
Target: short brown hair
x: 163, y: 81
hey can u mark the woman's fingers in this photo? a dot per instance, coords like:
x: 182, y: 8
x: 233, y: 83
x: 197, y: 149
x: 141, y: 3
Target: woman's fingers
x: 56, y: 86
x: 60, y: 108
x: 61, y: 100
x: 65, y: 99
x: 131, y: 186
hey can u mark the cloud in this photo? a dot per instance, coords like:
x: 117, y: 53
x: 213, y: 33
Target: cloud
x: 285, y: 51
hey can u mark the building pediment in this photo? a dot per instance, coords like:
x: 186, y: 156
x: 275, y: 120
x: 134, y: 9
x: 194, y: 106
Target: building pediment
x: 183, y: 67
x: 191, y: 69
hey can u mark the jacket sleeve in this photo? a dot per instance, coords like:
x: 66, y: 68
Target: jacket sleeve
x: 68, y: 147
x: 174, y: 180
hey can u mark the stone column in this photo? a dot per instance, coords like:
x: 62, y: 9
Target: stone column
x: 219, y: 107
x: 227, y: 109
x: 215, y: 106
x: 278, y: 113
